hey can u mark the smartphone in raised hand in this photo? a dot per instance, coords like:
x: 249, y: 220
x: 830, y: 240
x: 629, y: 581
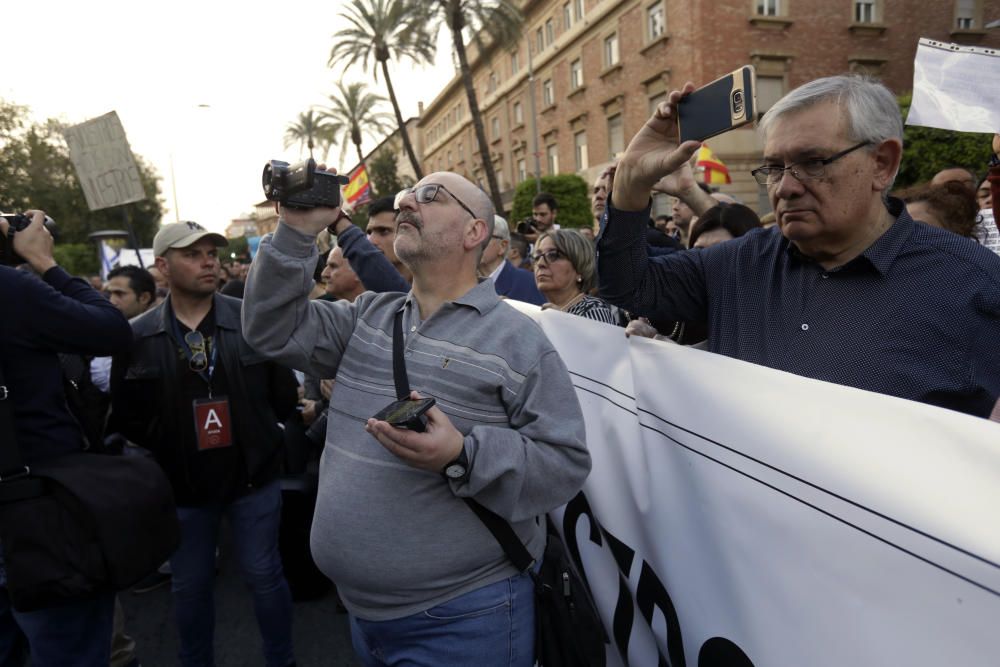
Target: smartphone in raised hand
x: 725, y: 104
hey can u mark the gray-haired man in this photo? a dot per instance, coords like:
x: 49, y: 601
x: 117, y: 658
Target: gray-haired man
x: 846, y: 288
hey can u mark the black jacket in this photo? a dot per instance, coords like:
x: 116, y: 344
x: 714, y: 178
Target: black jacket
x: 39, y: 318
x: 144, y: 383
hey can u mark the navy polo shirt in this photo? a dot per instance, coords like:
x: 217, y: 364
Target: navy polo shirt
x: 916, y: 315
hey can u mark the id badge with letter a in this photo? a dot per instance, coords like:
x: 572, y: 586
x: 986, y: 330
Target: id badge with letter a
x: 212, y: 423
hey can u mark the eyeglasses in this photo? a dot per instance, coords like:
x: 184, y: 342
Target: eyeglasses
x: 549, y: 256
x: 804, y: 170
x: 425, y: 194
x: 199, y: 354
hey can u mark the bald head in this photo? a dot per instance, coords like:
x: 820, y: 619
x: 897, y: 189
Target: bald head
x: 468, y: 193
x: 956, y: 175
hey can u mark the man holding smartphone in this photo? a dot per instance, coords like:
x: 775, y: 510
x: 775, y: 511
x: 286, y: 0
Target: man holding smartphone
x: 846, y: 288
x: 424, y: 580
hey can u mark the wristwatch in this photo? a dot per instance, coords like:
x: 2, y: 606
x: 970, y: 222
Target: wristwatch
x: 458, y: 469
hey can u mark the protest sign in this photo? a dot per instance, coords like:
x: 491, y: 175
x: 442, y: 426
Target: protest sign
x: 104, y: 164
x: 956, y: 87
x: 737, y: 515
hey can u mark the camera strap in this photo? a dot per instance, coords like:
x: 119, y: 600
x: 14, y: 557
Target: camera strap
x: 501, y: 530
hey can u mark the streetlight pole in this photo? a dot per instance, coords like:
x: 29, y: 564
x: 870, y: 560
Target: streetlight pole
x: 534, y: 122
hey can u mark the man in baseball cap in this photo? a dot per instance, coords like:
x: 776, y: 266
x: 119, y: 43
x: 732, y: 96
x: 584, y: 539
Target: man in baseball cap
x: 190, y: 393
x: 181, y: 235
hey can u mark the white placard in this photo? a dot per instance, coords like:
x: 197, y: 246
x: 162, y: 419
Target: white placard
x: 104, y: 164
x: 737, y: 515
x: 956, y: 87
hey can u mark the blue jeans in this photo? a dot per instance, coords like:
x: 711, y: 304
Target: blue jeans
x: 255, y: 520
x: 78, y: 633
x: 490, y: 626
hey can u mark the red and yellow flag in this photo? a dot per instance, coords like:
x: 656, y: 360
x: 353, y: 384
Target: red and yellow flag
x: 358, y: 191
x: 714, y: 172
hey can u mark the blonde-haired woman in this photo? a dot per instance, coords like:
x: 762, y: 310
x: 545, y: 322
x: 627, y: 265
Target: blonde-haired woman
x: 566, y: 271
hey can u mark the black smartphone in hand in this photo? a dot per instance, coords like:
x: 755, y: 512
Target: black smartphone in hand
x: 407, y: 413
x: 725, y: 104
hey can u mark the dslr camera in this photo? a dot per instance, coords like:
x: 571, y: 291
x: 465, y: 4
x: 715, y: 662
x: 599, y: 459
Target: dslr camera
x: 300, y: 185
x: 17, y: 222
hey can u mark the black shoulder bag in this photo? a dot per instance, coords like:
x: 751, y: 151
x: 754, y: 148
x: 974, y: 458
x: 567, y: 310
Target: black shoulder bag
x: 79, y: 524
x: 568, y: 629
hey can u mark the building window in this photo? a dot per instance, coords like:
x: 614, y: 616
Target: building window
x: 539, y: 40
x: 491, y: 85
x: 550, y: 32
x: 495, y: 127
x: 548, y: 95
x: 461, y: 152
x: 768, y: 7
x: 654, y: 102
x: 518, y: 114
x: 449, y: 160
x: 522, y: 171
x: 965, y: 14
x: 458, y: 112
x: 770, y: 89
x: 580, y: 151
x: 616, y: 136
x: 656, y: 21
x: 577, y: 10
x: 552, y: 158
x: 515, y: 63
x: 611, y: 50
x: 575, y: 74
x: 864, y: 11
x: 567, y: 17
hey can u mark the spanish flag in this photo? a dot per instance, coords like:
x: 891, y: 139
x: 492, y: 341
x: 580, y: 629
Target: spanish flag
x: 358, y: 191
x: 713, y: 171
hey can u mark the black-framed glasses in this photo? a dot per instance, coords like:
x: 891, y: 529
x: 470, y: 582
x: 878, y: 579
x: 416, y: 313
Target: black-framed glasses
x: 549, y: 256
x: 426, y: 193
x: 804, y: 170
x: 199, y: 351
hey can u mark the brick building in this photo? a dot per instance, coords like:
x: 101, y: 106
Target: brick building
x: 600, y: 66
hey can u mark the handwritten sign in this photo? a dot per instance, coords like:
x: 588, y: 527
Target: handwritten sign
x: 104, y: 164
x: 956, y: 87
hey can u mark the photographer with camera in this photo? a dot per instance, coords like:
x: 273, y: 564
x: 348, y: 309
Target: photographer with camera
x: 397, y: 524
x: 38, y: 319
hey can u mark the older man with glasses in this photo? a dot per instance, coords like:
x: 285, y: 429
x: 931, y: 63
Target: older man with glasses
x: 192, y: 392
x: 424, y: 581
x: 846, y: 288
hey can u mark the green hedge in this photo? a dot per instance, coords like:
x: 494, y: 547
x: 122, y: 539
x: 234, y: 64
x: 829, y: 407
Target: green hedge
x: 572, y: 193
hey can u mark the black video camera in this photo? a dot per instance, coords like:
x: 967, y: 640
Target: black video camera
x: 527, y: 226
x: 17, y: 222
x: 300, y: 185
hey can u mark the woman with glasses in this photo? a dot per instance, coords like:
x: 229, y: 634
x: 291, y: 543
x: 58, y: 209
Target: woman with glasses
x: 565, y: 272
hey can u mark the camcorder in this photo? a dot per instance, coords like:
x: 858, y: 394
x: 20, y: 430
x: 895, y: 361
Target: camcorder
x: 17, y: 222
x: 300, y: 185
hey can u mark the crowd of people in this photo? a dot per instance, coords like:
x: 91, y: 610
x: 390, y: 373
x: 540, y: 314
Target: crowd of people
x: 238, y: 381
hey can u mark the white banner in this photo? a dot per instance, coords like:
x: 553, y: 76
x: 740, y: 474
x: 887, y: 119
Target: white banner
x: 104, y: 164
x: 738, y: 515
x: 955, y: 87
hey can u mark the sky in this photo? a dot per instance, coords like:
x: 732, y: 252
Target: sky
x: 208, y: 86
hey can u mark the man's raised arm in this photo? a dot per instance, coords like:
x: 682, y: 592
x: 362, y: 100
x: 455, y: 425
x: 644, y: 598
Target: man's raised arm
x: 279, y: 319
x: 627, y: 277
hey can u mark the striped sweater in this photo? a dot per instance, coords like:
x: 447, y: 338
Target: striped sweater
x: 398, y: 540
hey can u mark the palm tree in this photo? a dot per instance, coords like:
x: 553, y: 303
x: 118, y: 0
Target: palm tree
x: 501, y: 20
x: 305, y: 130
x: 354, y: 113
x: 380, y: 30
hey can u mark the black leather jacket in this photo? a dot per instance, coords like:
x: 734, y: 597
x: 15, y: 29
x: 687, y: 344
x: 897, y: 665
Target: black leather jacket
x: 144, y: 382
